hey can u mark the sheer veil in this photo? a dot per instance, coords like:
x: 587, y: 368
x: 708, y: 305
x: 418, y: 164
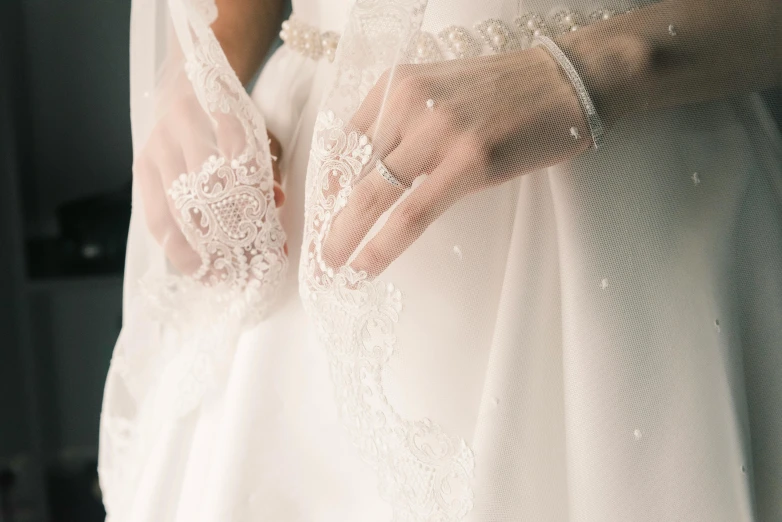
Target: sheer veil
x: 524, y: 267
x: 558, y: 339
x: 206, y: 248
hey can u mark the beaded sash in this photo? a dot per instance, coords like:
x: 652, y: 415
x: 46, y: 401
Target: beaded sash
x: 491, y: 36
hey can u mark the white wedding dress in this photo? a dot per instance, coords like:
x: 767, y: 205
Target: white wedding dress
x: 597, y: 341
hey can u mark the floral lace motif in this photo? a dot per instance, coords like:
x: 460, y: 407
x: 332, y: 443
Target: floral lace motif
x: 424, y: 473
x: 225, y: 211
x: 118, y: 439
x: 227, y: 208
x: 227, y: 214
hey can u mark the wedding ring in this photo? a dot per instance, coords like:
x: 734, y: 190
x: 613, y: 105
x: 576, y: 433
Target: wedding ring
x: 383, y: 170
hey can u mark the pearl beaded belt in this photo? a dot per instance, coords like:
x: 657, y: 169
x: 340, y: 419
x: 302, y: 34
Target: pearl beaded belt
x: 490, y: 36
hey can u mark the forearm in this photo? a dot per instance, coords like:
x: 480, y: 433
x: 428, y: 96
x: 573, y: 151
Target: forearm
x: 678, y: 52
x: 246, y: 30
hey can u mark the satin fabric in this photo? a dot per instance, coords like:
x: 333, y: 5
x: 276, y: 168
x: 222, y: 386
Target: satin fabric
x: 604, y: 335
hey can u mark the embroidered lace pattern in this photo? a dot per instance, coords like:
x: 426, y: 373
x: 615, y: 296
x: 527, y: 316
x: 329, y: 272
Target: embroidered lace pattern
x: 227, y: 214
x: 227, y: 208
x: 424, y: 473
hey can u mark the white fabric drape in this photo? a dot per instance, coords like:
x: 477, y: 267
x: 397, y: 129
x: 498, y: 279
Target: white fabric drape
x: 598, y: 340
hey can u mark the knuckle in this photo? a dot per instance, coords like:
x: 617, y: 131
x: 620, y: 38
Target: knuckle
x: 330, y: 255
x: 412, y: 84
x: 445, y: 118
x: 375, y: 94
x: 410, y: 90
x: 413, y: 217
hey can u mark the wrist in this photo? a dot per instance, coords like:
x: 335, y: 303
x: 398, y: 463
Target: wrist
x: 612, y: 68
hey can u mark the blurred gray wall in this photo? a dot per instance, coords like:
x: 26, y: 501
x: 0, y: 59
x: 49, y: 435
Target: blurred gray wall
x: 13, y: 407
x: 76, y: 53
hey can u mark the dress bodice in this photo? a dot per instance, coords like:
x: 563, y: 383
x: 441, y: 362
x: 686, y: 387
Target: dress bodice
x: 331, y: 15
x: 449, y: 28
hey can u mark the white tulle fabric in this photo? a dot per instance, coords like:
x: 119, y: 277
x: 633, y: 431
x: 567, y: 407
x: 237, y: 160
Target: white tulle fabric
x: 596, y: 341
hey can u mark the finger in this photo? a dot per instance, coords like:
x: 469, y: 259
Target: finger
x: 161, y: 223
x: 230, y: 142
x: 191, y: 129
x: 156, y: 212
x: 230, y: 135
x: 179, y: 251
x: 365, y: 116
x: 279, y: 195
x: 409, y: 220
x: 370, y: 198
x: 170, y: 163
x: 378, y: 95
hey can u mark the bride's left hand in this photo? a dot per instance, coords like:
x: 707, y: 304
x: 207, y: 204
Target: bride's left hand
x: 493, y: 119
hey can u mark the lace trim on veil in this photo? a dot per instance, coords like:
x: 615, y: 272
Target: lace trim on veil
x: 424, y: 473
x: 227, y: 214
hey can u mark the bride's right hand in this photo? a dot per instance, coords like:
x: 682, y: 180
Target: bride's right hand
x: 182, y: 140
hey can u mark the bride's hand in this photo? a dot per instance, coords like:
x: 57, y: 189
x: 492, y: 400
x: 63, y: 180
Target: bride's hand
x: 490, y: 119
x: 180, y: 143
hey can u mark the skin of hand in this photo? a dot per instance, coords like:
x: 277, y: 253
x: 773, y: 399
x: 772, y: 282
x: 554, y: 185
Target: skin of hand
x: 465, y: 143
x: 180, y: 143
x: 498, y: 117
x: 245, y: 29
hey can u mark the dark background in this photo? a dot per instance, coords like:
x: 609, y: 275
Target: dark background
x: 64, y: 136
x: 65, y: 167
